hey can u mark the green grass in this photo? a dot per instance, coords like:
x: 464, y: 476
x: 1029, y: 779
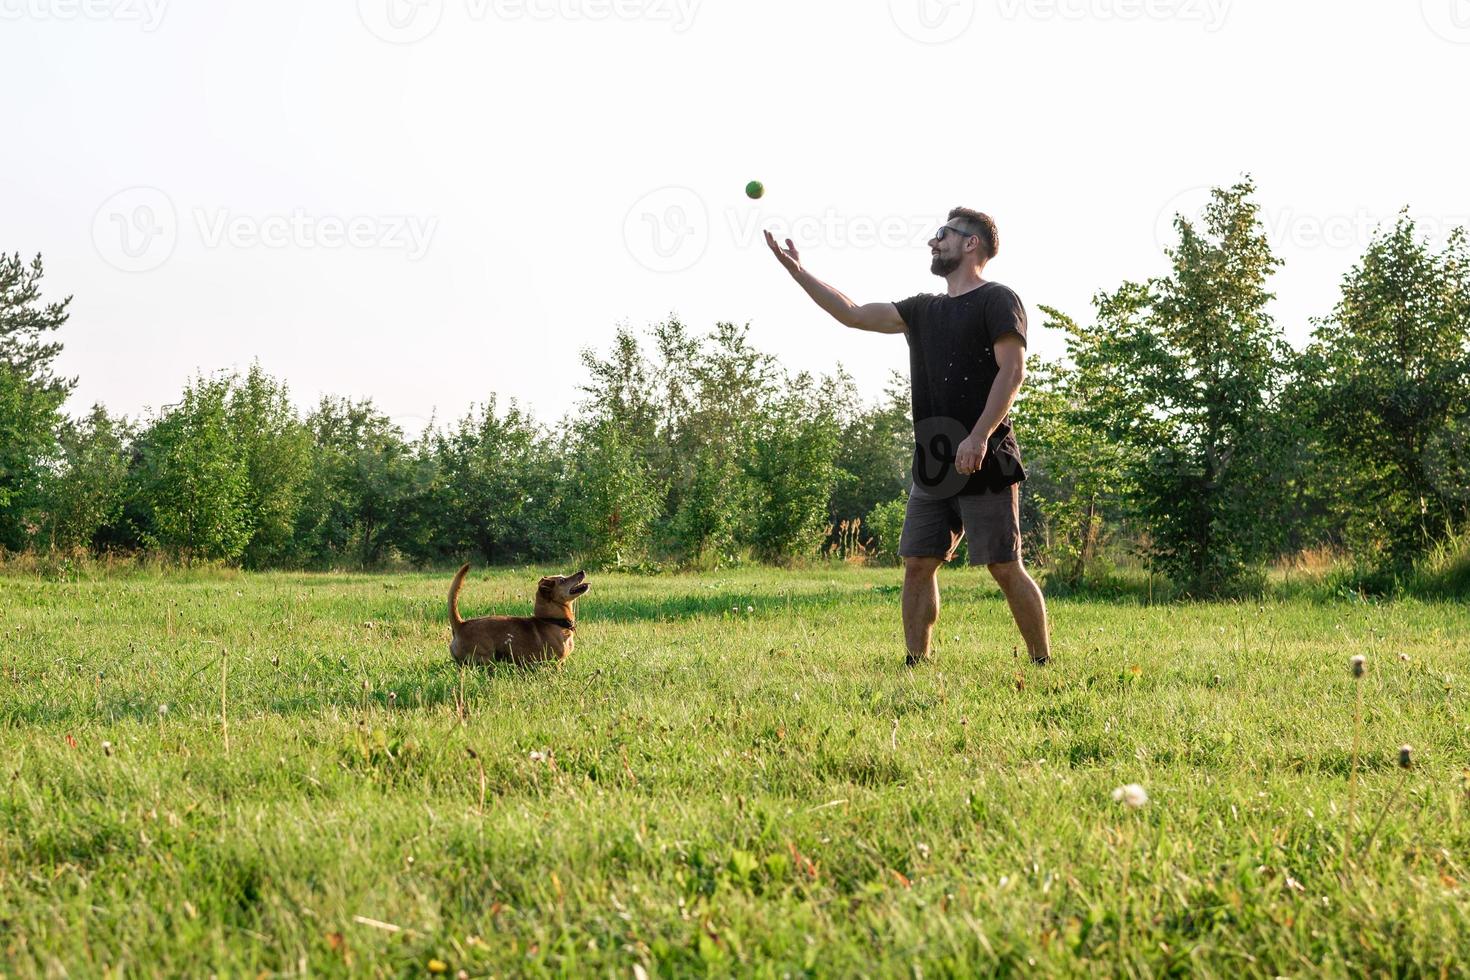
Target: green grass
x: 761, y: 792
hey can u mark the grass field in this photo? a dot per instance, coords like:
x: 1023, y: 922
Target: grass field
x: 284, y: 775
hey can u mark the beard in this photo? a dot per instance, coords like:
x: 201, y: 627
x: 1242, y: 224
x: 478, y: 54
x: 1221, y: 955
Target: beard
x: 941, y: 266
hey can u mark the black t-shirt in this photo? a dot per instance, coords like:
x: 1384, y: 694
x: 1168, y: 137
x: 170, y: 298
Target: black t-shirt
x: 952, y: 367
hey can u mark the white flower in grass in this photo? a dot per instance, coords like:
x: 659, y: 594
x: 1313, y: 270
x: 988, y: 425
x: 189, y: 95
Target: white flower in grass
x: 162, y: 710
x: 1132, y: 795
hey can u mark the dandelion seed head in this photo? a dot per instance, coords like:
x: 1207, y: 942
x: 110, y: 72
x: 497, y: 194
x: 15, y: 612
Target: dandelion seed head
x: 1406, y: 757
x: 1132, y: 795
x: 1359, y: 665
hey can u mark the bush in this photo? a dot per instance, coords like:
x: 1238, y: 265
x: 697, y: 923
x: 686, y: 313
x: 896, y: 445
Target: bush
x: 1445, y: 572
x: 885, y: 523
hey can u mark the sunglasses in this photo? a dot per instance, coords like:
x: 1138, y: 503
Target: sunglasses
x: 946, y: 229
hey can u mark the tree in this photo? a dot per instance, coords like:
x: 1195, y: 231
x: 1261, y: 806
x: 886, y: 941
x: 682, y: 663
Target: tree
x: 613, y: 496
x: 794, y: 470
x: 1388, y: 376
x: 1183, y: 371
x: 276, y: 448
x: 31, y: 396
x: 193, y: 478
x: 86, y: 489
x: 1075, y: 475
x: 363, y: 484
x: 875, y: 448
x: 492, y: 480
x: 714, y: 494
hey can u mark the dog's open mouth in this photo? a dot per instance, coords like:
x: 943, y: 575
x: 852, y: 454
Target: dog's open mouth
x: 581, y: 586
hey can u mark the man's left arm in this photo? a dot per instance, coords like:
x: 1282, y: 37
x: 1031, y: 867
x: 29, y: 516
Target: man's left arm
x: 1010, y: 358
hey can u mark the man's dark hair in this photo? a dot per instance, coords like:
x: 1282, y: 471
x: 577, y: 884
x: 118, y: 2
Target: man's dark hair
x: 975, y: 223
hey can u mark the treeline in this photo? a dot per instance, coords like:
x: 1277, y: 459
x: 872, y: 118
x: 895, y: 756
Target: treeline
x: 706, y: 454
x: 1181, y: 427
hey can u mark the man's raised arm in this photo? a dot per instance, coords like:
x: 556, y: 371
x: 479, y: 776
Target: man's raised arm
x: 877, y: 317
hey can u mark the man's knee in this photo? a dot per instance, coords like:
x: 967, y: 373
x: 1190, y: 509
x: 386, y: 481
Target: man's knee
x: 921, y: 568
x: 1007, y: 573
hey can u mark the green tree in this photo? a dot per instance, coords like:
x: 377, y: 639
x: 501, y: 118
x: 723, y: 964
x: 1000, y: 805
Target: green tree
x: 875, y: 449
x: 613, y: 495
x: 1183, y: 371
x: 86, y: 489
x: 363, y: 483
x: 1076, y: 476
x: 31, y: 396
x: 276, y: 448
x: 793, y: 468
x: 493, y: 480
x: 715, y: 496
x: 1389, y: 380
x: 193, y: 478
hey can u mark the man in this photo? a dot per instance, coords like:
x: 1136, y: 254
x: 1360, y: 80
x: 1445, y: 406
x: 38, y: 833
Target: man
x: 967, y: 355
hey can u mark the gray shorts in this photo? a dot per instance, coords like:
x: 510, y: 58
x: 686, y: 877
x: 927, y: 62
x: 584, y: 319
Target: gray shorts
x: 934, y: 526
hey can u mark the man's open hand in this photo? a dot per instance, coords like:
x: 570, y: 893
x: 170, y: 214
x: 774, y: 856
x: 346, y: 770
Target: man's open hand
x: 787, y: 256
x: 970, y: 456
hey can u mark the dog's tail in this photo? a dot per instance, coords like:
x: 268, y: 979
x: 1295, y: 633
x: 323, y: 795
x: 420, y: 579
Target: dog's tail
x: 454, y: 621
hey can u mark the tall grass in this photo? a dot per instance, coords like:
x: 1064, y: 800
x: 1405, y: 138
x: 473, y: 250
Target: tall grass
x: 1445, y: 572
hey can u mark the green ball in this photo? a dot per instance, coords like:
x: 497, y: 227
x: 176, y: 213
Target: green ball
x: 754, y: 190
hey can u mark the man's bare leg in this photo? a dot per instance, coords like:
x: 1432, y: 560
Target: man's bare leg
x: 920, y: 605
x: 1028, y: 606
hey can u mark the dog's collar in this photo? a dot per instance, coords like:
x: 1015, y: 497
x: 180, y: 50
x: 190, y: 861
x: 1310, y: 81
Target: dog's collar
x: 565, y: 624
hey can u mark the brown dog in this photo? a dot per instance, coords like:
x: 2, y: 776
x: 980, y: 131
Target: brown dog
x: 521, y: 640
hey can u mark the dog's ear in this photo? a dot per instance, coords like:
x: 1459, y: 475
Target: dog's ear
x: 545, y: 587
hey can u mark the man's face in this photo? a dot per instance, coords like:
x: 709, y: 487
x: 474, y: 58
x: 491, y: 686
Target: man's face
x: 947, y: 249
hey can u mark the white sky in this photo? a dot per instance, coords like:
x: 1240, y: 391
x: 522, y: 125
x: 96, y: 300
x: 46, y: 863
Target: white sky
x: 503, y: 165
